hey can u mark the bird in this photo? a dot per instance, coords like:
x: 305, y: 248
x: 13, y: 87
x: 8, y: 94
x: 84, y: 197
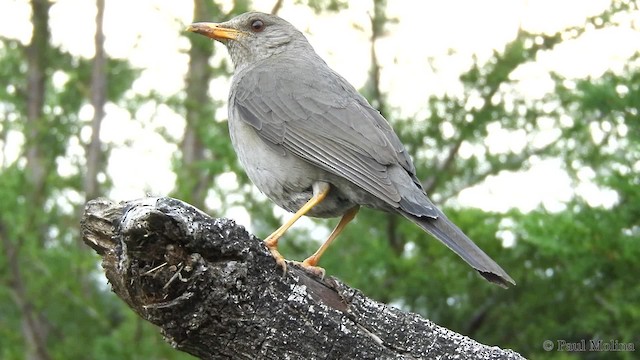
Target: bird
x: 315, y: 146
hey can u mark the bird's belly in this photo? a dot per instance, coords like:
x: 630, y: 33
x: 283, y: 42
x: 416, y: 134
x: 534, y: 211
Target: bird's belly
x: 283, y: 177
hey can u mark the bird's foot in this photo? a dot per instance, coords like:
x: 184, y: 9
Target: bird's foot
x: 280, y: 260
x: 309, y: 266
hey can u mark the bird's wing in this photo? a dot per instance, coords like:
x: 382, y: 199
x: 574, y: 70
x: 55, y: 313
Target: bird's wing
x: 316, y: 115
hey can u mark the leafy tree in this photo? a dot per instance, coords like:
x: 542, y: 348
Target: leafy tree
x: 49, y: 296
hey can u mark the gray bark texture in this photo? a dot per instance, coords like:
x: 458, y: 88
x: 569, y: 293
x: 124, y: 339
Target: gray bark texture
x: 216, y: 292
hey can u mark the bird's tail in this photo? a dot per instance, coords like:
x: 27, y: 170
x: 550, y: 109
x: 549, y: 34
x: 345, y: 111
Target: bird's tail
x: 447, y: 232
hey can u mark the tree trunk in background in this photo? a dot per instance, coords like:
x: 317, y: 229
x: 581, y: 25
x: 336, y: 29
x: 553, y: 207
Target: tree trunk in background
x: 34, y: 327
x: 196, y: 180
x: 36, y: 60
x: 98, y: 100
x: 377, y: 99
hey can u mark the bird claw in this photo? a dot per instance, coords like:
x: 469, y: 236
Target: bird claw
x: 280, y: 260
x: 307, y: 265
x: 311, y: 269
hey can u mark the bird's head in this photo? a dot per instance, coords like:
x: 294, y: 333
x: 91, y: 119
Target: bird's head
x: 253, y: 36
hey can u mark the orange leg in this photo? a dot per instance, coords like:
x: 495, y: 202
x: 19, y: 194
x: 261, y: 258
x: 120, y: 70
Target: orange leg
x: 346, y: 218
x: 320, y: 191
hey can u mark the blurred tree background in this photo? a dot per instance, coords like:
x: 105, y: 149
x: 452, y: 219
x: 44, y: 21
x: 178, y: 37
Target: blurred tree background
x: 576, y: 265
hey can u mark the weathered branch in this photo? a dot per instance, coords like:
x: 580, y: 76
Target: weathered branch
x: 216, y: 292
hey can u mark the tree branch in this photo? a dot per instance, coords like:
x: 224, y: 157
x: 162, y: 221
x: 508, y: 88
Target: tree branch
x: 216, y: 292
x: 276, y: 7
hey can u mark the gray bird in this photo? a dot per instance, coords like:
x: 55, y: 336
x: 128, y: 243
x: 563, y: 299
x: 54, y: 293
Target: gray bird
x: 311, y: 143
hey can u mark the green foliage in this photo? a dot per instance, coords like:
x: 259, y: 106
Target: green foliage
x: 583, y: 262
x: 44, y: 270
x: 320, y: 6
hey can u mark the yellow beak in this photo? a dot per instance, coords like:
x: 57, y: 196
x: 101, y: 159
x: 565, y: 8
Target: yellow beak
x: 214, y: 31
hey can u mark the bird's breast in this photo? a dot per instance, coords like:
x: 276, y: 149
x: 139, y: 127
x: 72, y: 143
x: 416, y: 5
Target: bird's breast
x: 283, y: 177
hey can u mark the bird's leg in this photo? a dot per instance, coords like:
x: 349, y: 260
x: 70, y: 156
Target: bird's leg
x: 320, y: 191
x: 312, y: 260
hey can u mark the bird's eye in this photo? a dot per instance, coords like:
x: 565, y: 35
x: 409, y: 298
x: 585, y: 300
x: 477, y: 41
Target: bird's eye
x: 257, y: 25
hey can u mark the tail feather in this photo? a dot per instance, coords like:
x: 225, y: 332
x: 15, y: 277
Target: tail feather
x: 449, y: 234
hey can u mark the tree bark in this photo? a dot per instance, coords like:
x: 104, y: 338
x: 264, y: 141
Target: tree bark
x: 216, y: 292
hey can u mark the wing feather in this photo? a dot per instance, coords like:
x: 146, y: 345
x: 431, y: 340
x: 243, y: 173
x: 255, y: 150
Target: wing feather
x: 326, y: 122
